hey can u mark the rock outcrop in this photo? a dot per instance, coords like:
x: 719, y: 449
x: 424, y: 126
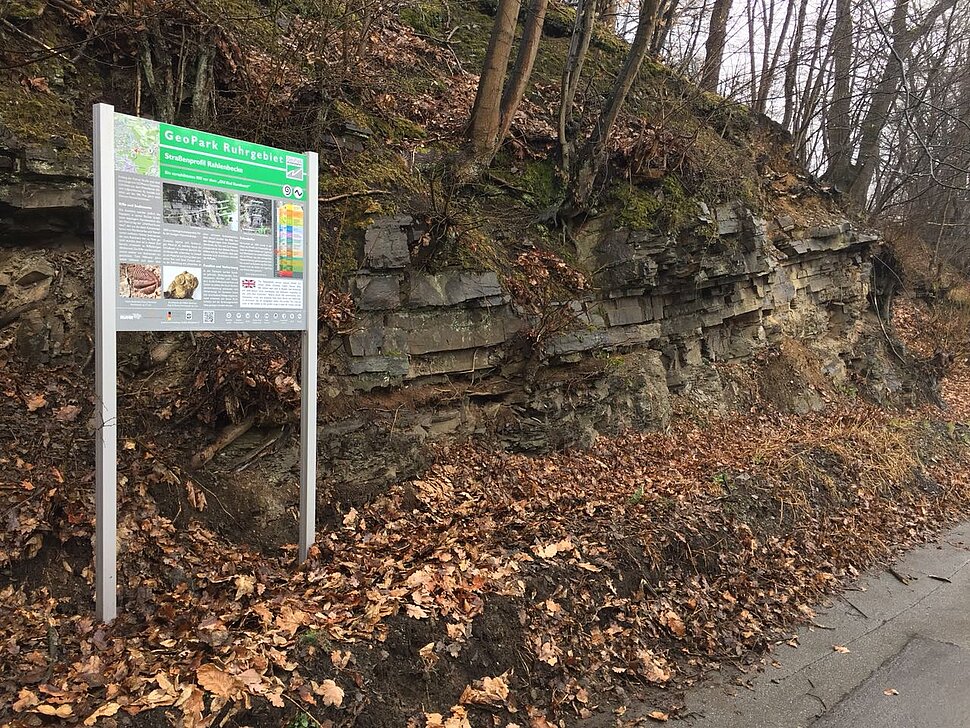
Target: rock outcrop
x: 663, y: 313
x: 659, y: 322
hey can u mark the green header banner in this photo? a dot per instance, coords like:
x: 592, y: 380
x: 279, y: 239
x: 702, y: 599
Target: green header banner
x: 197, y: 157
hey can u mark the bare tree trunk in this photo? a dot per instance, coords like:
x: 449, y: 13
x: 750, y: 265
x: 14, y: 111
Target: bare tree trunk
x: 608, y: 13
x: 838, y: 119
x: 522, y: 71
x: 935, y: 262
x: 156, y: 64
x: 791, y: 67
x: 752, y: 67
x: 714, y: 49
x: 885, y: 94
x: 768, y: 73
x: 812, y: 94
x: 202, y: 89
x: 596, y: 151
x: 485, y: 119
x: 572, y: 70
x: 665, y: 21
x: 695, y: 34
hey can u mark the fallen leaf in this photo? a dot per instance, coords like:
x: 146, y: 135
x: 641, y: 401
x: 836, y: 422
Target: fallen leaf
x: 25, y: 699
x: 890, y: 691
x: 245, y: 585
x: 842, y: 649
x: 275, y: 698
x: 458, y: 718
x: 34, y: 404
x: 61, y: 711
x: 487, y: 691
x: 105, y: 711
x: 216, y: 681
x: 674, y: 623
x: 658, y: 715
x: 38, y: 83
x: 331, y: 693
x: 416, y: 612
x: 67, y: 413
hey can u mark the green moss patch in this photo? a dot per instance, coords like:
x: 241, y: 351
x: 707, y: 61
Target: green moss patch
x: 38, y: 118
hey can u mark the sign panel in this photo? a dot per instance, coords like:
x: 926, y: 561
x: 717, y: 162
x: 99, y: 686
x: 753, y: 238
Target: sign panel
x: 211, y: 232
x: 195, y: 231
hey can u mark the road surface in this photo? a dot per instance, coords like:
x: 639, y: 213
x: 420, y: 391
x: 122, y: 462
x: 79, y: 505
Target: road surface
x: 903, y: 657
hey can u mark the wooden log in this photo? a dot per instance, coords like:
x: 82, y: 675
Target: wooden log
x: 228, y: 436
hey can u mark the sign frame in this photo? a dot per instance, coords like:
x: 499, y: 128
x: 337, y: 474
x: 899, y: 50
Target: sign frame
x: 106, y: 364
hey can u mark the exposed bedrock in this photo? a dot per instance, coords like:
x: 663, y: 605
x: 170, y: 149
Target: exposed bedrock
x: 436, y: 355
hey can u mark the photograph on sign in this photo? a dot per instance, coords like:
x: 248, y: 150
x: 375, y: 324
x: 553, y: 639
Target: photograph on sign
x: 211, y: 231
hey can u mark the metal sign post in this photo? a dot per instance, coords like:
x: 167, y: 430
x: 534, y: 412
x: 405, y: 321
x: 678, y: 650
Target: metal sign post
x: 308, y: 381
x: 197, y: 232
x: 106, y: 370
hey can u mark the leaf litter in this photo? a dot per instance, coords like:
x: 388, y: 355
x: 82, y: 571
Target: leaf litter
x: 741, y: 524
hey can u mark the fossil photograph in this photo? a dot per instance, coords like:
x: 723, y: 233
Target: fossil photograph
x: 199, y: 207
x: 255, y: 215
x: 182, y: 283
x: 138, y: 280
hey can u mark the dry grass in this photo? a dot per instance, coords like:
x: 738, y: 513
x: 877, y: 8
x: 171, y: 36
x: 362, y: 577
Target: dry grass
x: 864, y: 448
x: 959, y: 297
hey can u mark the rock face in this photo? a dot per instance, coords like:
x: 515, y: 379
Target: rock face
x: 661, y: 319
x: 689, y: 304
x: 45, y: 194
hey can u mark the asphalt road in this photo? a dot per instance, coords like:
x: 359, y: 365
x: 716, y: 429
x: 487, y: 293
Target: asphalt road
x: 903, y: 659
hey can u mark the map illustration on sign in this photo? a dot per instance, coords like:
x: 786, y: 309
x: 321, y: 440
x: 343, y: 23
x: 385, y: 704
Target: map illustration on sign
x: 136, y: 145
x: 211, y: 231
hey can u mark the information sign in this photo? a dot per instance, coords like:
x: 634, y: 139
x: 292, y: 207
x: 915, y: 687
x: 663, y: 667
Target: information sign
x: 197, y: 232
x: 211, y: 232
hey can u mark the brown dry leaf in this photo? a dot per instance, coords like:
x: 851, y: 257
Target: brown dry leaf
x: 38, y: 83
x: 434, y: 720
x: 331, y: 693
x: 245, y: 585
x: 658, y: 715
x: 67, y: 413
x: 545, y: 552
x: 216, y: 681
x: 428, y: 655
x: 340, y: 659
x: 35, y: 402
x: 192, y: 703
x: 537, y: 718
x: 890, y: 691
x: 551, y: 550
x: 196, y: 497
x: 487, y: 691
x: 105, y: 711
x: 60, y: 711
x: 674, y: 623
x: 842, y: 649
x: 416, y: 612
x: 458, y: 718
x: 25, y: 699
x: 290, y: 619
x: 548, y: 653
x: 654, y: 668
